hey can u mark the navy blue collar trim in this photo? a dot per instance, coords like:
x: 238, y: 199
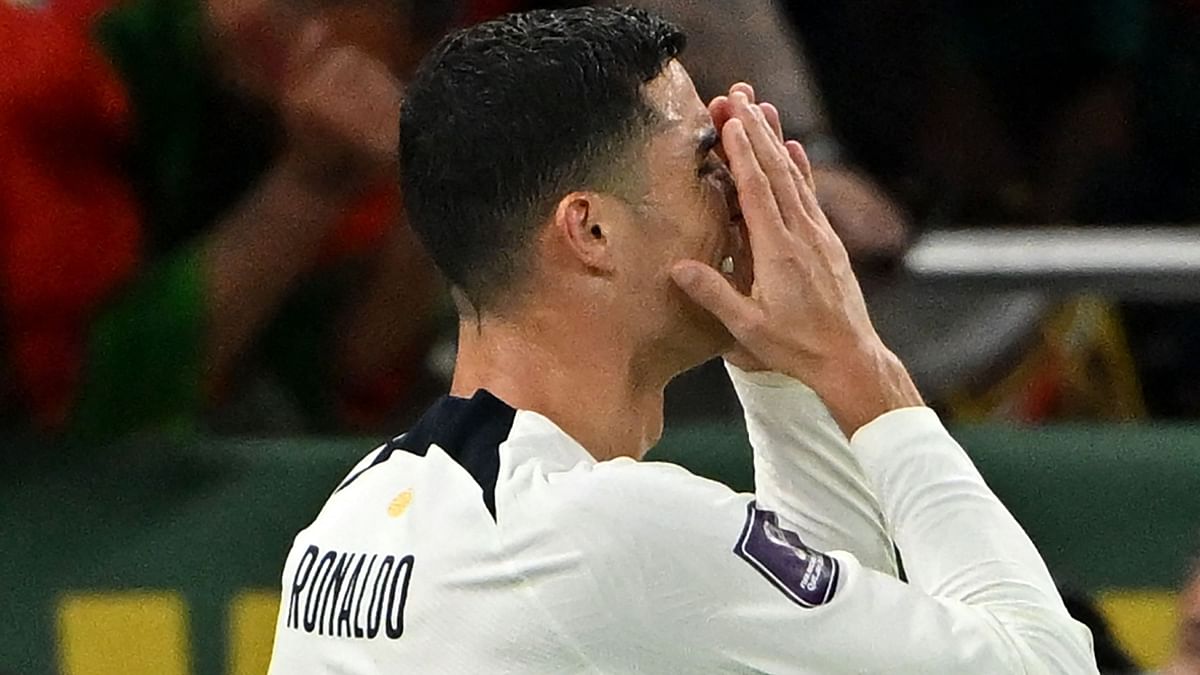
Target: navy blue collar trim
x: 469, y: 430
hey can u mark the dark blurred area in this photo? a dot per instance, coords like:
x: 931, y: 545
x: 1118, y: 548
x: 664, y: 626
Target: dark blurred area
x: 220, y: 248
x: 985, y: 113
x: 201, y: 225
x: 1017, y: 114
x: 200, y: 233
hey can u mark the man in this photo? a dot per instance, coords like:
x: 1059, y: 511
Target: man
x: 189, y: 189
x: 569, y: 182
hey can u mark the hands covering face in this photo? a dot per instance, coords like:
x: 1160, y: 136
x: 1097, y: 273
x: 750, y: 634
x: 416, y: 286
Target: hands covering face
x: 803, y: 314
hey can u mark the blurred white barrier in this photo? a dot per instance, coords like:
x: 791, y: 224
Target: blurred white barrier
x: 1131, y: 262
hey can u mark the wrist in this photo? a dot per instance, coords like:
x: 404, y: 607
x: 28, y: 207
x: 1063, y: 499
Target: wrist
x: 865, y: 385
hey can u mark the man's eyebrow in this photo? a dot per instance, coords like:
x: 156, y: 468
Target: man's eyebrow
x: 708, y: 140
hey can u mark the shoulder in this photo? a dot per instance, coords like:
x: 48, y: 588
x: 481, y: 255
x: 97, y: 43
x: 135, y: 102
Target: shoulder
x: 617, y: 544
x: 628, y: 487
x: 547, y: 478
x: 677, y: 564
x: 626, y: 512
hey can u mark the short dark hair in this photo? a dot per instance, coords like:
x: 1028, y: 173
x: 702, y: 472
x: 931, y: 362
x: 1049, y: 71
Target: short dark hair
x: 504, y: 118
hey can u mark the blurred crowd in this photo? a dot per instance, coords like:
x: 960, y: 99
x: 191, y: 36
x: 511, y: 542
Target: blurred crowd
x: 200, y: 230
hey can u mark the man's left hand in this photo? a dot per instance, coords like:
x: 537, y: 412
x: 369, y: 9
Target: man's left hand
x: 870, y: 225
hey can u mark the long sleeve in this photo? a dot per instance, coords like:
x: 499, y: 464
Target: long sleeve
x: 958, y: 540
x: 686, y: 576
x: 805, y: 471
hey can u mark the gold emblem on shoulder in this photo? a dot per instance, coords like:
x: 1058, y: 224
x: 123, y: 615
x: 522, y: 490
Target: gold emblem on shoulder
x: 400, y: 504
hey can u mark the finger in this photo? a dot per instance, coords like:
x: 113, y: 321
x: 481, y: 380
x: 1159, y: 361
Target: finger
x: 800, y: 158
x: 772, y: 115
x: 764, y: 224
x: 827, y: 235
x: 707, y: 288
x: 773, y: 118
x: 772, y: 157
x: 743, y: 88
x: 719, y: 110
x: 807, y: 186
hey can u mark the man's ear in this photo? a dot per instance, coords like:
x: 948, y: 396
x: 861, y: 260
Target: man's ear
x: 579, y: 225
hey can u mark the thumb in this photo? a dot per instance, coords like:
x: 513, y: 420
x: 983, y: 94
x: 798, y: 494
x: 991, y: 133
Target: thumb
x: 707, y: 288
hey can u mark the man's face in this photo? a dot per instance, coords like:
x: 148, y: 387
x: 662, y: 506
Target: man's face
x: 687, y: 210
x: 1187, y: 650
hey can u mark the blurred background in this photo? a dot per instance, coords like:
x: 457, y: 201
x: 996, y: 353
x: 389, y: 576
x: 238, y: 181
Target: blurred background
x: 211, y: 308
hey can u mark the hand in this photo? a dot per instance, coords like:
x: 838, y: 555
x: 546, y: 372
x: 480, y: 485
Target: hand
x: 870, y: 225
x: 340, y: 109
x: 805, y: 315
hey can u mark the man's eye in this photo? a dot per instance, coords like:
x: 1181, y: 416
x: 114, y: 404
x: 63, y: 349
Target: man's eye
x: 711, y: 166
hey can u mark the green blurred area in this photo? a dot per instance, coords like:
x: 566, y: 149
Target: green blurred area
x: 1109, y: 507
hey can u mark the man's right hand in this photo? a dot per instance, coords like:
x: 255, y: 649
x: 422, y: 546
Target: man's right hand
x: 805, y: 315
x: 339, y: 109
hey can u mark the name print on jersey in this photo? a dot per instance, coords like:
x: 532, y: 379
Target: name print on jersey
x: 350, y: 595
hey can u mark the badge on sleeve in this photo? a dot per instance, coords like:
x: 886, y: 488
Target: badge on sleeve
x: 808, y: 577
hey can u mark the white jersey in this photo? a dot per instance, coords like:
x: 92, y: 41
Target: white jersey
x: 486, y: 540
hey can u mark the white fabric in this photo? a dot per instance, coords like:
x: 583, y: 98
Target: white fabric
x: 624, y: 567
x: 805, y: 470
